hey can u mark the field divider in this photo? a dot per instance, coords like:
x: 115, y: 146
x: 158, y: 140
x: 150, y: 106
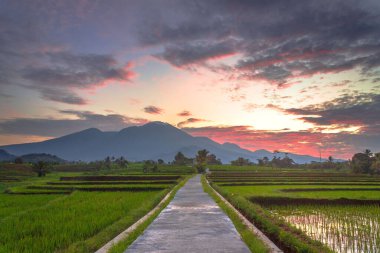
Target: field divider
x: 123, y: 235
x: 271, y: 246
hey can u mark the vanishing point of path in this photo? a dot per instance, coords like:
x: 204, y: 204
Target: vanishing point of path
x: 192, y: 222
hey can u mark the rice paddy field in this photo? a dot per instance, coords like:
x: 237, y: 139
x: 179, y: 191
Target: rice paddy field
x: 343, y: 228
x: 306, y: 211
x: 71, y: 210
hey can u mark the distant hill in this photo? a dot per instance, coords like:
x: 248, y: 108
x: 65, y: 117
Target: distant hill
x: 5, y: 156
x: 151, y: 141
x: 33, y: 158
x: 30, y: 158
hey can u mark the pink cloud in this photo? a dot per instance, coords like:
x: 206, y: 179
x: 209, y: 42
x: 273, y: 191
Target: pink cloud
x: 303, y: 142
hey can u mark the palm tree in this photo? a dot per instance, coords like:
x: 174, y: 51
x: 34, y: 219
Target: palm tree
x: 368, y: 152
x: 201, y: 160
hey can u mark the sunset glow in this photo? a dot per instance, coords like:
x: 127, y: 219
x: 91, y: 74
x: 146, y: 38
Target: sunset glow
x: 300, y: 77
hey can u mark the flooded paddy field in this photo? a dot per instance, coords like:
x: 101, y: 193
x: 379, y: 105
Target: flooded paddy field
x: 344, y: 229
x: 307, y: 211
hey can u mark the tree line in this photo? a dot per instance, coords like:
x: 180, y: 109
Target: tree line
x: 365, y: 162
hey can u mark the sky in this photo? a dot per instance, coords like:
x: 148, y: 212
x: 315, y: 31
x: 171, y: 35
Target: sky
x: 294, y: 76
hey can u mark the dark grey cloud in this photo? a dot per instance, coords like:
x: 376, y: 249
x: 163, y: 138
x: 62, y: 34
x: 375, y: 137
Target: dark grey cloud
x: 59, y: 95
x: 17, y: 40
x: 361, y: 110
x: 274, y: 73
x: 278, y: 40
x: 63, y: 71
x: 76, y: 71
x: 58, y: 74
x: 196, y: 52
x: 153, y: 109
x: 5, y: 95
x: 34, y: 53
x: 57, y: 127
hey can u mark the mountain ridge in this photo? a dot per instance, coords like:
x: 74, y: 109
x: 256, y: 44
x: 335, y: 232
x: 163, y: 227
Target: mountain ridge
x: 153, y: 140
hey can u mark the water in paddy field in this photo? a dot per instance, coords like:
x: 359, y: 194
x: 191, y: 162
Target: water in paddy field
x: 345, y: 229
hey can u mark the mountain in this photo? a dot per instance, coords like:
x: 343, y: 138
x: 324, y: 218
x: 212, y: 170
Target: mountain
x: 151, y: 141
x: 5, y: 156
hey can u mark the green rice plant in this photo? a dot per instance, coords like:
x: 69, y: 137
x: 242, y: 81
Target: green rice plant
x: 72, y: 220
x: 14, y: 204
x: 131, y: 188
x: 342, y: 228
x: 361, y: 192
x: 121, y: 178
x: 298, y: 183
x: 332, y: 216
x: 45, y: 221
x: 112, y: 182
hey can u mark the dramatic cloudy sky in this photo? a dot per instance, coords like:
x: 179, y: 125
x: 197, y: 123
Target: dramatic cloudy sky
x: 296, y: 76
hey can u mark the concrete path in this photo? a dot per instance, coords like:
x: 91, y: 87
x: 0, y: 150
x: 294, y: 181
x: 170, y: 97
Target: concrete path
x: 192, y: 222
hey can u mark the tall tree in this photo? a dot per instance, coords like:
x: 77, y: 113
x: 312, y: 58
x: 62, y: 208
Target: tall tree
x: 108, y: 162
x: 179, y: 159
x: 40, y: 168
x: 201, y: 160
